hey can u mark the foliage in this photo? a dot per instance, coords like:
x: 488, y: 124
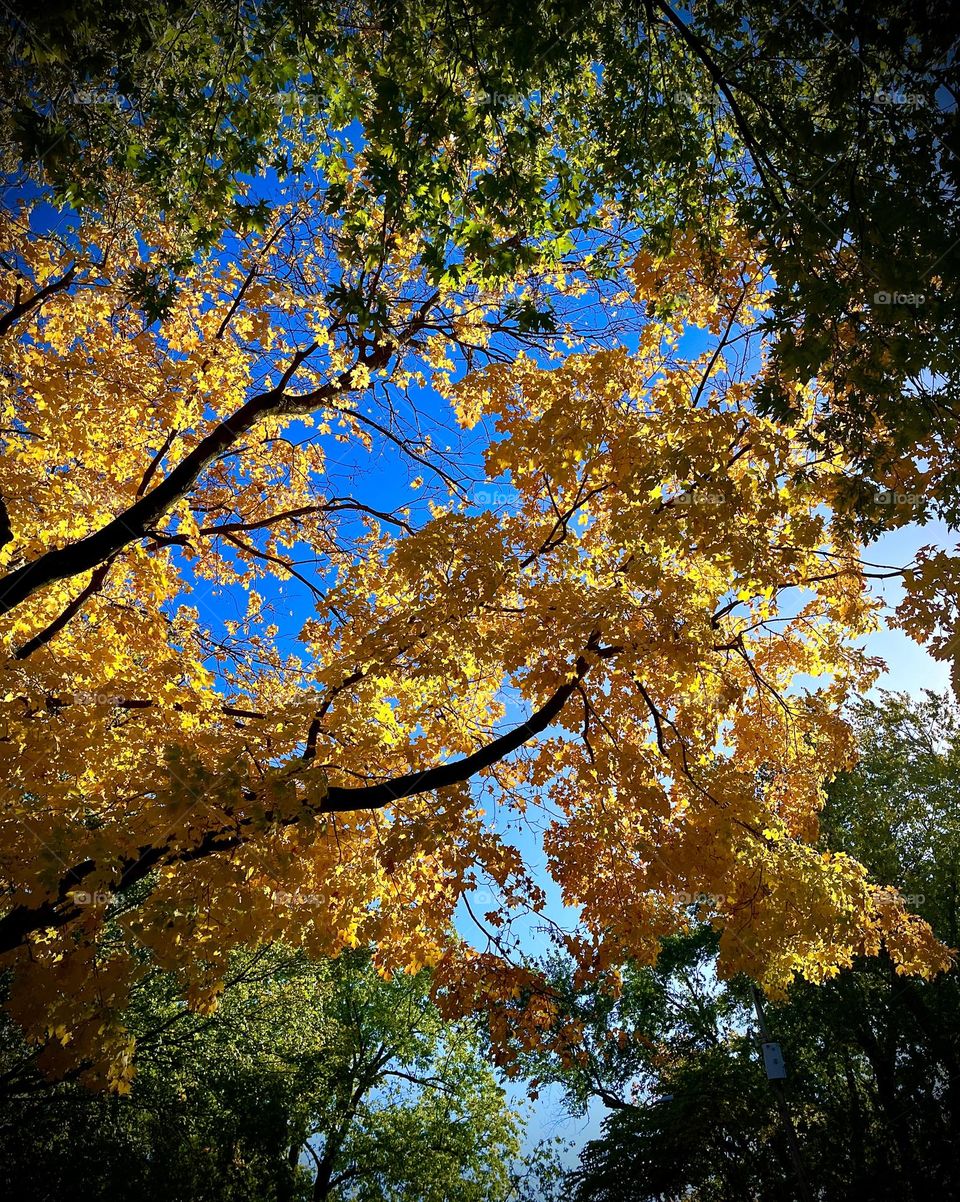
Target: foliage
x: 413, y: 266
x: 200, y: 106
x: 833, y: 130
x: 307, y: 1081
x: 872, y: 1058
x: 665, y: 618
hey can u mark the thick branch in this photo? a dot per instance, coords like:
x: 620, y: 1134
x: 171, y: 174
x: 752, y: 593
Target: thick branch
x: 136, y: 522
x: 364, y: 797
x: 19, y: 923
x: 725, y: 87
x: 141, y: 517
x: 69, y: 611
x: 22, y: 307
x: 6, y: 529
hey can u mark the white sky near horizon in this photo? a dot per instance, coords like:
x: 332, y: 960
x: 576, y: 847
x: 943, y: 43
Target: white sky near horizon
x: 909, y: 666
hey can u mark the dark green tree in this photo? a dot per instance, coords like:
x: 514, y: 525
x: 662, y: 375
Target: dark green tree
x: 306, y: 1082
x: 873, y: 1058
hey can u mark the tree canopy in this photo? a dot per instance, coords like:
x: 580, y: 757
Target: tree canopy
x: 663, y: 575
x: 421, y: 438
x: 832, y: 129
x: 307, y: 1082
x: 871, y: 1057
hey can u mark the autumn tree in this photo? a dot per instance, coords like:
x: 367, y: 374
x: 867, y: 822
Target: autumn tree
x: 830, y: 130
x: 642, y: 653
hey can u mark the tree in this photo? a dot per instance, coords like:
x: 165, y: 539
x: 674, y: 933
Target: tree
x: 306, y: 1082
x: 871, y: 1056
x: 832, y: 128
x: 663, y: 576
x: 199, y: 107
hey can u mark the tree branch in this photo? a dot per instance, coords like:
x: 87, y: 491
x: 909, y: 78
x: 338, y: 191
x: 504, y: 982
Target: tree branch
x: 70, y: 610
x: 22, y: 308
x: 22, y: 921
x: 137, y: 521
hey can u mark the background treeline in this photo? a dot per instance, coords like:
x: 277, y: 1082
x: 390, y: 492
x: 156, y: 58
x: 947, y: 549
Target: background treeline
x: 873, y: 1058
x: 325, y: 1081
x: 306, y: 1081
